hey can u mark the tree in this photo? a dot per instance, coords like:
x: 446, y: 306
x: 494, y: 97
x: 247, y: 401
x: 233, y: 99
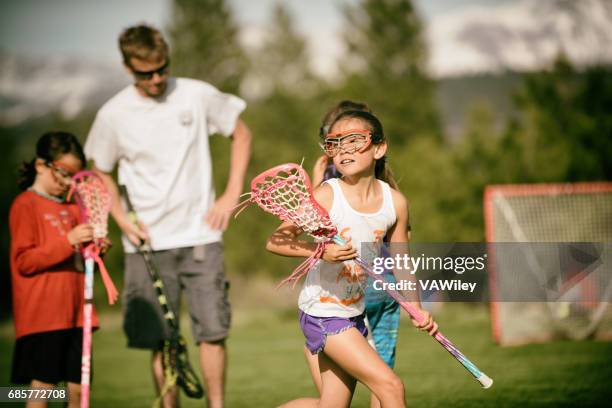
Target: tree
x: 280, y: 65
x: 284, y: 120
x: 386, y: 67
x: 204, y: 42
x: 477, y: 160
x: 285, y: 110
x: 564, y: 129
x: 562, y: 132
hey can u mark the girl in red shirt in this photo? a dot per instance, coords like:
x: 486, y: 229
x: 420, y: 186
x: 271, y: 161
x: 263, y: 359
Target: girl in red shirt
x: 46, y: 280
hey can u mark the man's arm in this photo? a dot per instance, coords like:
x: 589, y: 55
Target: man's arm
x: 135, y: 234
x: 218, y: 216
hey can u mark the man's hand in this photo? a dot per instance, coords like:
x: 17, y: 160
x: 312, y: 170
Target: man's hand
x: 79, y: 234
x: 339, y: 253
x: 218, y: 216
x: 137, y: 234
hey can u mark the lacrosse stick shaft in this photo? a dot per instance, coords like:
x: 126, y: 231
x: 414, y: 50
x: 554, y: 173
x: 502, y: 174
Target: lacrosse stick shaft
x: 481, y: 377
x: 147, y: 255
x: 87, y: 316
x: 169, y: 315
x: 192, y: 387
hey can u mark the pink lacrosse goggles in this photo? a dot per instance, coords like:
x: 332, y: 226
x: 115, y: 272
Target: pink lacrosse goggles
x: 61, y: 172
x: 349, y: 141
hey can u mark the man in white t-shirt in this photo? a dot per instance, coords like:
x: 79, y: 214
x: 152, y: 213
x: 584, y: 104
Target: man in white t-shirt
x: 157, y: 131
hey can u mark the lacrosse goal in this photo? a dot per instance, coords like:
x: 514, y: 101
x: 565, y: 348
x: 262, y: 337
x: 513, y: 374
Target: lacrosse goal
x: 578, y: 214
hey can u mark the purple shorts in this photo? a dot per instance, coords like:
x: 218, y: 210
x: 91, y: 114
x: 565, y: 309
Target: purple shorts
x: 316, y: 329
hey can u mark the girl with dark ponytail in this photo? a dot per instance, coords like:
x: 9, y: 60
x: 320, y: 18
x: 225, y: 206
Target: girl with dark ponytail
x: 382, y: 312
x: 324, y: 168
x: 49, y: 148
x: 364, y: 208
x: 47, y: 286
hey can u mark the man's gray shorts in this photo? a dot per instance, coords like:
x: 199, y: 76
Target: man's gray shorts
x: 197, y: 272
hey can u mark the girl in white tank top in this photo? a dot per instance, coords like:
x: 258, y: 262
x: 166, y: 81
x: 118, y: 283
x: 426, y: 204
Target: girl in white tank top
x: 337, y: 288
x: 364, y: 209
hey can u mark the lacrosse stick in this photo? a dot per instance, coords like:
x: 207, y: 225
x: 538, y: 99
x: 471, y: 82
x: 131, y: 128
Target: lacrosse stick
x: 177, y: 369
x: 285, y: 191
x: 93, y: 200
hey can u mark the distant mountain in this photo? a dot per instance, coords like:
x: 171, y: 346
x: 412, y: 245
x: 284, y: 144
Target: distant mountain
x: 32, y: 87
x: 457, y: 96
x: 469, y: 49
x: 522, y: 35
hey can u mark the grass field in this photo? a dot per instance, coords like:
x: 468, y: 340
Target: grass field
x: 266, y: 366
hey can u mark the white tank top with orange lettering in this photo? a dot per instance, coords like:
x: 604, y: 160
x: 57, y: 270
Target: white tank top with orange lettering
x: 337, y: 289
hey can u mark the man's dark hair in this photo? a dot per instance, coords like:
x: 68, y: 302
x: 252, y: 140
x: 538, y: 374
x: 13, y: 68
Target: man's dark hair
x: 142, y: 42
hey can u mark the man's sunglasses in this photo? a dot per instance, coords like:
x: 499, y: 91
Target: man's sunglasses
x: 147, y: 75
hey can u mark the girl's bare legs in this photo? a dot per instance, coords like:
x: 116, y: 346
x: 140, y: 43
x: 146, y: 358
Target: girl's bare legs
x: 374, y: 402
x: 351, y: 351
x: 313, y: 366
x: 74, y: 390
x: 38, y: 404
x: 348, y: 357
x: 74, y: 393
x: 337, y: 387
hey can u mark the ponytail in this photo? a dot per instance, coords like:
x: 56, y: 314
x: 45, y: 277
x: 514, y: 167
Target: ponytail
x: 383, y: 172
x: 50, y: 147
x: 26, y: 174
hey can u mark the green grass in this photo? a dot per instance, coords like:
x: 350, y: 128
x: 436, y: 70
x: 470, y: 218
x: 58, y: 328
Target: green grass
x: 266, y: 365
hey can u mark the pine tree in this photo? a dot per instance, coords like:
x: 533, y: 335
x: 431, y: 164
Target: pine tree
x: 280, y: 65
x: 284, y: 86
x: 204, y: 43
x: 564, y: 130
x: 386, y: 60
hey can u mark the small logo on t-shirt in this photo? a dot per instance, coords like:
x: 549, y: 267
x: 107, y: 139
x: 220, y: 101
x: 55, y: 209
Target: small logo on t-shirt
x: 186, y: 118
x: 55, y: 223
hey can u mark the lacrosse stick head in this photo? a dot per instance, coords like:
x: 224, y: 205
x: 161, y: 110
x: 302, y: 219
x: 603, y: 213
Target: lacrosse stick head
x: 93, y: 199
x: 285, y: 191
x: 175, y: 358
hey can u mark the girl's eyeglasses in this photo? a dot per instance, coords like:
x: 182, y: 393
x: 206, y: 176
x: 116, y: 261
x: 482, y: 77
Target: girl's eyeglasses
x: 61, y: 173
x: 350, y: 141
x: 147, y: 75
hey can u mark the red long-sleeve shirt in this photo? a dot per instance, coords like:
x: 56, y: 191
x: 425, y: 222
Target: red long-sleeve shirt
x: 47, y: 287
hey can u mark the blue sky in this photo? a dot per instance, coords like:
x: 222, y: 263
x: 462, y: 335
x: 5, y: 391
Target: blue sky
x: 89, y: 28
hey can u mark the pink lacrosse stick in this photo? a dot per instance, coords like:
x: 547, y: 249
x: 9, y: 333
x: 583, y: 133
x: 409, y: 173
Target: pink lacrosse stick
x: 93, y: 200
x: 285, y: 191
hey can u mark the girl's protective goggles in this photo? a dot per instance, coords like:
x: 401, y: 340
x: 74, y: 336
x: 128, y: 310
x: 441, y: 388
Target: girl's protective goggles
x: 60, y: 172
x: 350, y: 141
